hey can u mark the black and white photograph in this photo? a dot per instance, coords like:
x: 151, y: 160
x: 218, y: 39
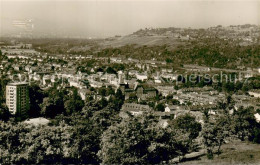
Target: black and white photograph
x: 130, y: 82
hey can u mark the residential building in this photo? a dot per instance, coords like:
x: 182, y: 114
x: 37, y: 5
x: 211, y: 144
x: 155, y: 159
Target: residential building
x: 141, y: 76
x: 255, y: 93
x: 17, y: 98
x: 141, y: 91
x: 135, y: 109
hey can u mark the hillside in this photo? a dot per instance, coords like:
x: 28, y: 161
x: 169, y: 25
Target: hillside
x: 140, y: 40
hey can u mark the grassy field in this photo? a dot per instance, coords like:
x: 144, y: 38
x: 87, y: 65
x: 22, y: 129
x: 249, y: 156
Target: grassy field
x: 233, y: 153
x: 145, y: 40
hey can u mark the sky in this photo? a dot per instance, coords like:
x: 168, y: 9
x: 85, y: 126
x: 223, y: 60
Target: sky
x: 104, y: 18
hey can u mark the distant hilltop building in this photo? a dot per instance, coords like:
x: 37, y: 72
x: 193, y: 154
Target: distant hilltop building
x: 17, y: 98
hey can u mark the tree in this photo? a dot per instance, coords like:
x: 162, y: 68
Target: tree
x: 188, y: 128
x: 244, y: 122
x: 47, y: 144
x: 209, y: 139
x: 58, y: 143
x: 160, y: 107
x: 222, y: 128
x: 110, y: 70
x: 102, y: 91
x: 3, y: 82
x: 4, y: 113
x: 139, y: 140
x: 36, y: 98
x: 215, y: 132
x: 175, y: 102
x: 110, y: 91
x: 169, y: 97
x: 106, y: 116
x: 168, y: 60
x: 188, y: 123
x: 127, y: 142
x: 118, y: 67
x: 84, y: 139
x: 10, y: 142
x: 73, y: 103
x: 53, y: 104
x: 119, y: 98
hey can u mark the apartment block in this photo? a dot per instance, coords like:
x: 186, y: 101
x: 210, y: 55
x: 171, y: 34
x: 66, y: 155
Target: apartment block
x: 17, y: 98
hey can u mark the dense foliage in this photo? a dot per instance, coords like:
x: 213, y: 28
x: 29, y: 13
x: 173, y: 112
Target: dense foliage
x: 211, y: 52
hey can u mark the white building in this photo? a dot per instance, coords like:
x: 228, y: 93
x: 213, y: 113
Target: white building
x: 141, y: 77
x: 255, y: 93
x: 17, y: 98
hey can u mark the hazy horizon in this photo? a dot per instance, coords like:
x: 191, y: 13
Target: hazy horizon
x: 96, y: 18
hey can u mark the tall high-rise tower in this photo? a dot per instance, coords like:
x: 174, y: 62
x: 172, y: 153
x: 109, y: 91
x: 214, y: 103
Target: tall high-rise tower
x: 17, y: 98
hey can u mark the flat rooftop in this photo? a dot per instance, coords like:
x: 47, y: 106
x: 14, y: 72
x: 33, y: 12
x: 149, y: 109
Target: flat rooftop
x: 17, y: 83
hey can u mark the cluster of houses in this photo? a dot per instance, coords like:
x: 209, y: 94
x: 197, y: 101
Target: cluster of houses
x: 245, y: 34
x: 138, y: 81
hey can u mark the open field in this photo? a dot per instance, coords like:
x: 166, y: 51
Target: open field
x: 144, y: 40
x: 233, y: 153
